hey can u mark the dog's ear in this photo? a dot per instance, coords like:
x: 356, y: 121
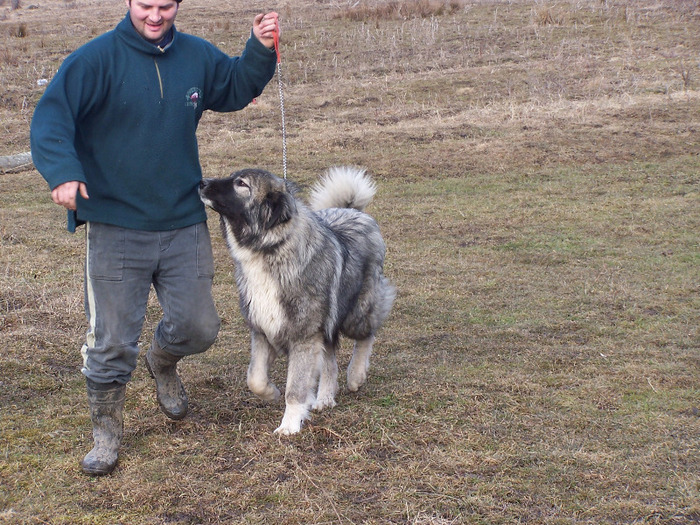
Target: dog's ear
x: 278, y: 208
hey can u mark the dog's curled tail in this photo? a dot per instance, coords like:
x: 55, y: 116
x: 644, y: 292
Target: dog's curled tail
x: 343, y: 187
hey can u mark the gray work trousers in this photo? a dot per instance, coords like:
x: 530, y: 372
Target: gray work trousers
x: 121, y: 265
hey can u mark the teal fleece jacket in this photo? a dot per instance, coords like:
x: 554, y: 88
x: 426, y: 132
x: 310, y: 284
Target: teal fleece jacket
x: 121, y: 115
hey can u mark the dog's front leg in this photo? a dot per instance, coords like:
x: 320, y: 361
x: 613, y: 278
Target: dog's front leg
x: 262, y: 355
x: 302, y: 375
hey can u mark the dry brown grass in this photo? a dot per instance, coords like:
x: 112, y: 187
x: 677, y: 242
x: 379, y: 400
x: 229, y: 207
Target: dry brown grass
x: 539, y: 193
x: 394, y: 10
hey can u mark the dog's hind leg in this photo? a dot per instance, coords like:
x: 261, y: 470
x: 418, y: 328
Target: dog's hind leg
x: 262, y: 355
x: 328, y: 380
x: 302, y: 374
x: 359, y: 364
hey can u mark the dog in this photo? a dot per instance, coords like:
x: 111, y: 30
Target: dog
x: 305, y: 274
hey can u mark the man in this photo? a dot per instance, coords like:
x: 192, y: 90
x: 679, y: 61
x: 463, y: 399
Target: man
x: 114, y: 136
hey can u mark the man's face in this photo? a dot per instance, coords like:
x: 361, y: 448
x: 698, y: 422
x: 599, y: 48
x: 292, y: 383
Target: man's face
x: 152, y: 18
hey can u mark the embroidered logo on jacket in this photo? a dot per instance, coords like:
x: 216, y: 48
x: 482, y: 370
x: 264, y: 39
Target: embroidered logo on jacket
x: 193, y: 97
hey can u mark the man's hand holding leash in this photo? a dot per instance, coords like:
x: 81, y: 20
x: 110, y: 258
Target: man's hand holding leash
x: 264, y: 28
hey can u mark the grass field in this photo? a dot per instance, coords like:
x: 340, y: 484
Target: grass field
x: 538, y: 166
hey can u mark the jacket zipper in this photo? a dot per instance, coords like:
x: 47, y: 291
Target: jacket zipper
x: 160, y: 80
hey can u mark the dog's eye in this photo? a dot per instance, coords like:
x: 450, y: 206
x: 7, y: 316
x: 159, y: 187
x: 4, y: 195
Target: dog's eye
x: 240, y: 183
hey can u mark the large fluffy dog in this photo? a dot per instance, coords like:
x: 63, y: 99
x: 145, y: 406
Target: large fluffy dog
x: 305, y: 275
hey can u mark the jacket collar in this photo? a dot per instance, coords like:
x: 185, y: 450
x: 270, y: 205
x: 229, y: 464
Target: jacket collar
x: 125, y: 30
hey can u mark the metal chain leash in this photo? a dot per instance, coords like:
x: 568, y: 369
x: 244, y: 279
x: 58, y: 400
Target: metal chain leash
x: 284, y: 127
x: 281, y: 92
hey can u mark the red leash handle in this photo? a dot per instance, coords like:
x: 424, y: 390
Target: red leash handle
x: 276, y: 37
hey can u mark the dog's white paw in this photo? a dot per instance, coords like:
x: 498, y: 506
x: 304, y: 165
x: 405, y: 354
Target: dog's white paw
x: 268, y: 392
x: 323, y: 402
x: 283, y: 430
x: 271, y: 394
x: 356, y: 378
x: 294, y: 416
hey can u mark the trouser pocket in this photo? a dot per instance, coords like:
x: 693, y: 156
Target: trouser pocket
x: 205, y: 256
x: 105, y: 252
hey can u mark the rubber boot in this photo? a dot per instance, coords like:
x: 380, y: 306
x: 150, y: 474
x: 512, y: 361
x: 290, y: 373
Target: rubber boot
x: 171, y: 395
x: 106, y: 412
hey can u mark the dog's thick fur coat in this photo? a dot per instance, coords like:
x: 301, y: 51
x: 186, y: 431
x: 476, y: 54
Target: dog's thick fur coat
x: 305, y: 275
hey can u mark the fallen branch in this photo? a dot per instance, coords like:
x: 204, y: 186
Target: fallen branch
x: 19, y: 162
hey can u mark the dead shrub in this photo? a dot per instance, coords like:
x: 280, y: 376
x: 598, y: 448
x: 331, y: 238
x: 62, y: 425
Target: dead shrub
x: 545, y: 18
x: 20, y: 31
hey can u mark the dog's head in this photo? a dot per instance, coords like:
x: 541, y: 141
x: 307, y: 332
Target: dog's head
x: 252, y: 203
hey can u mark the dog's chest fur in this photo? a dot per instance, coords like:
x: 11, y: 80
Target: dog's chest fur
x: 260, y: 291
